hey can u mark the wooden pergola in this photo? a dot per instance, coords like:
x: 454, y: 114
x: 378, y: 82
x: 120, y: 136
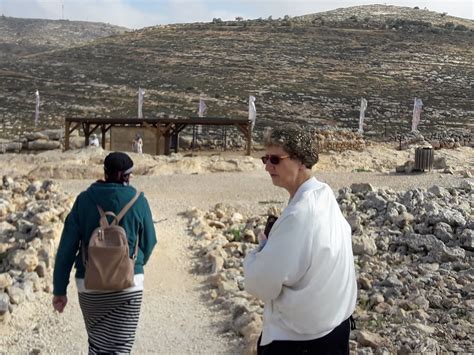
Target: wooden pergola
x: 161, y: 127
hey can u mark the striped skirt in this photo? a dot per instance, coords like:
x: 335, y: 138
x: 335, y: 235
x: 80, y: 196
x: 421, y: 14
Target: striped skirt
x: 111, y: 320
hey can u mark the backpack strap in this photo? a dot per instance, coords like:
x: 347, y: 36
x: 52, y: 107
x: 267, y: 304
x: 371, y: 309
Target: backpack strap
x: 122, y: 213
x: 126, y: 207
x: 135, y: 252
x: 103, y: 218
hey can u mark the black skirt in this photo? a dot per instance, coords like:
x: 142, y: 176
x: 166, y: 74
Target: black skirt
x: 334, y: 343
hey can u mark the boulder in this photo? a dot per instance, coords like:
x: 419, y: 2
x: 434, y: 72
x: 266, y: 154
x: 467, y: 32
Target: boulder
x: 43, y: 144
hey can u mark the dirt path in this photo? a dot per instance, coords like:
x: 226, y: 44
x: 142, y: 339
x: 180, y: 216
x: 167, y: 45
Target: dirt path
x: 176, y: 316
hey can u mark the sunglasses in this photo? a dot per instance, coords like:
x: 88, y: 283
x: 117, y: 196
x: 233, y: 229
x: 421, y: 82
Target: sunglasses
x: 273, y: 159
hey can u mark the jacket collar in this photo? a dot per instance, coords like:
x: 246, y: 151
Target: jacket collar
x: 308, y: 185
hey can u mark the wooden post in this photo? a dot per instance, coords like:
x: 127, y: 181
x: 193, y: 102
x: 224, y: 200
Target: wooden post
x: 167, y: 144
x: 158, y: 137
x: 104, y: 131
x: 249, y: 139
x: 193, y: 142
x: 176, y: 141
x: 225, y: 138
x: 86, y: 128
x: 66, y: 135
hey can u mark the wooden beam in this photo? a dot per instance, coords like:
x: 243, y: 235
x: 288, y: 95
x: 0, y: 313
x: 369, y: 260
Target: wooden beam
x: 94, y: 128
x: 161, y: 127
x: 66, y: 135
x: 149, y: 127
x: 246, y: 129
x: 108, y: 127
x: 74, y: 127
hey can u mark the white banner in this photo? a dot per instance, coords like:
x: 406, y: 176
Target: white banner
x: 141, y: 94
x: 417, y: 107
x: 202, y: 108
x: 252, y: 110
x: 37, y: 107
x: 363, y: 107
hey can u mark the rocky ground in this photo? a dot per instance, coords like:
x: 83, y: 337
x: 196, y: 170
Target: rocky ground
x: 424, y: 243
x: 414, y: 252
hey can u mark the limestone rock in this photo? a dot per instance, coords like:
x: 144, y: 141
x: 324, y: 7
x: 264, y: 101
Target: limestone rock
x: 17, y: 295
x: 43, y: 144
x: 5, y: 280
x: 366, y: 338
x: 24, y: 259
x: 363, y: 245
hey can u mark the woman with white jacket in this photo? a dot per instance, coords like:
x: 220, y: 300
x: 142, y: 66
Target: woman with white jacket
x: 304, y: 271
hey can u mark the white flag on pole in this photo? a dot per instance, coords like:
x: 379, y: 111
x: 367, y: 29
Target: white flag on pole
x: 417, y: 106
x: 252, y: 110
x: 202, y: 108
x: 201, y: 111
x: 37, y: 107
x: 141, y: 94
x: 363, y: 107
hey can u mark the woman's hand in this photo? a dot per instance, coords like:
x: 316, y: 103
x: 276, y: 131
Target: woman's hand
x: 262, y: 240
x: 59, y: 302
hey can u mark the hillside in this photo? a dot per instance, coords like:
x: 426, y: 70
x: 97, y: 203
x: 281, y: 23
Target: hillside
x: 313, y: 68
x: 19, y: 36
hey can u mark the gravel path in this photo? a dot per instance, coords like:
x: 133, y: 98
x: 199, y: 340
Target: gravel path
x: 176, y: 317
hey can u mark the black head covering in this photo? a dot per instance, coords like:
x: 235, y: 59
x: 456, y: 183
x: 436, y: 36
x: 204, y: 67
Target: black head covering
x: 118, y: 162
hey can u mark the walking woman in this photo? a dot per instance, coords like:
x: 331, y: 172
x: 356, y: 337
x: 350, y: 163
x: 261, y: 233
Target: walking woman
x: 304, y: 271
x: 111, y: 317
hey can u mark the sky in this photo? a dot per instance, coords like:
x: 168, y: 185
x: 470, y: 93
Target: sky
x: 136, y: 14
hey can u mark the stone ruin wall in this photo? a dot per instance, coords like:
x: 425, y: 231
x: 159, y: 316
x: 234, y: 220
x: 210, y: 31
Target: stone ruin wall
x: 212, y: 138
x: 32, y: 213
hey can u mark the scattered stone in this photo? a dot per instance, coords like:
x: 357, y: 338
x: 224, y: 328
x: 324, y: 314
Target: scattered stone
x: 17, y: 295
x: 28, y: 237
x: 366, y: 338
x: 413, y: 255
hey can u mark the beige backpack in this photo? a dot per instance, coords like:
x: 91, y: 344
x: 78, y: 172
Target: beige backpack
x: 108, y: 263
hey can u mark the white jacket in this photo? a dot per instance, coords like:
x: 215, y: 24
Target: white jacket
x: 305, y: 273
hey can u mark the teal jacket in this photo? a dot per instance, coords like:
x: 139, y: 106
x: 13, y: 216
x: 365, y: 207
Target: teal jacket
x: 84, y: 218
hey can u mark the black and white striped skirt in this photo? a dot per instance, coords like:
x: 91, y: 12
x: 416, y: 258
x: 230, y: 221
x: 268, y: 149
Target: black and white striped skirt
x: 111, y: 320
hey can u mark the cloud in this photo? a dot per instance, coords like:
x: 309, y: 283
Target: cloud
x: 142, y: 13
x: 117, y: 12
